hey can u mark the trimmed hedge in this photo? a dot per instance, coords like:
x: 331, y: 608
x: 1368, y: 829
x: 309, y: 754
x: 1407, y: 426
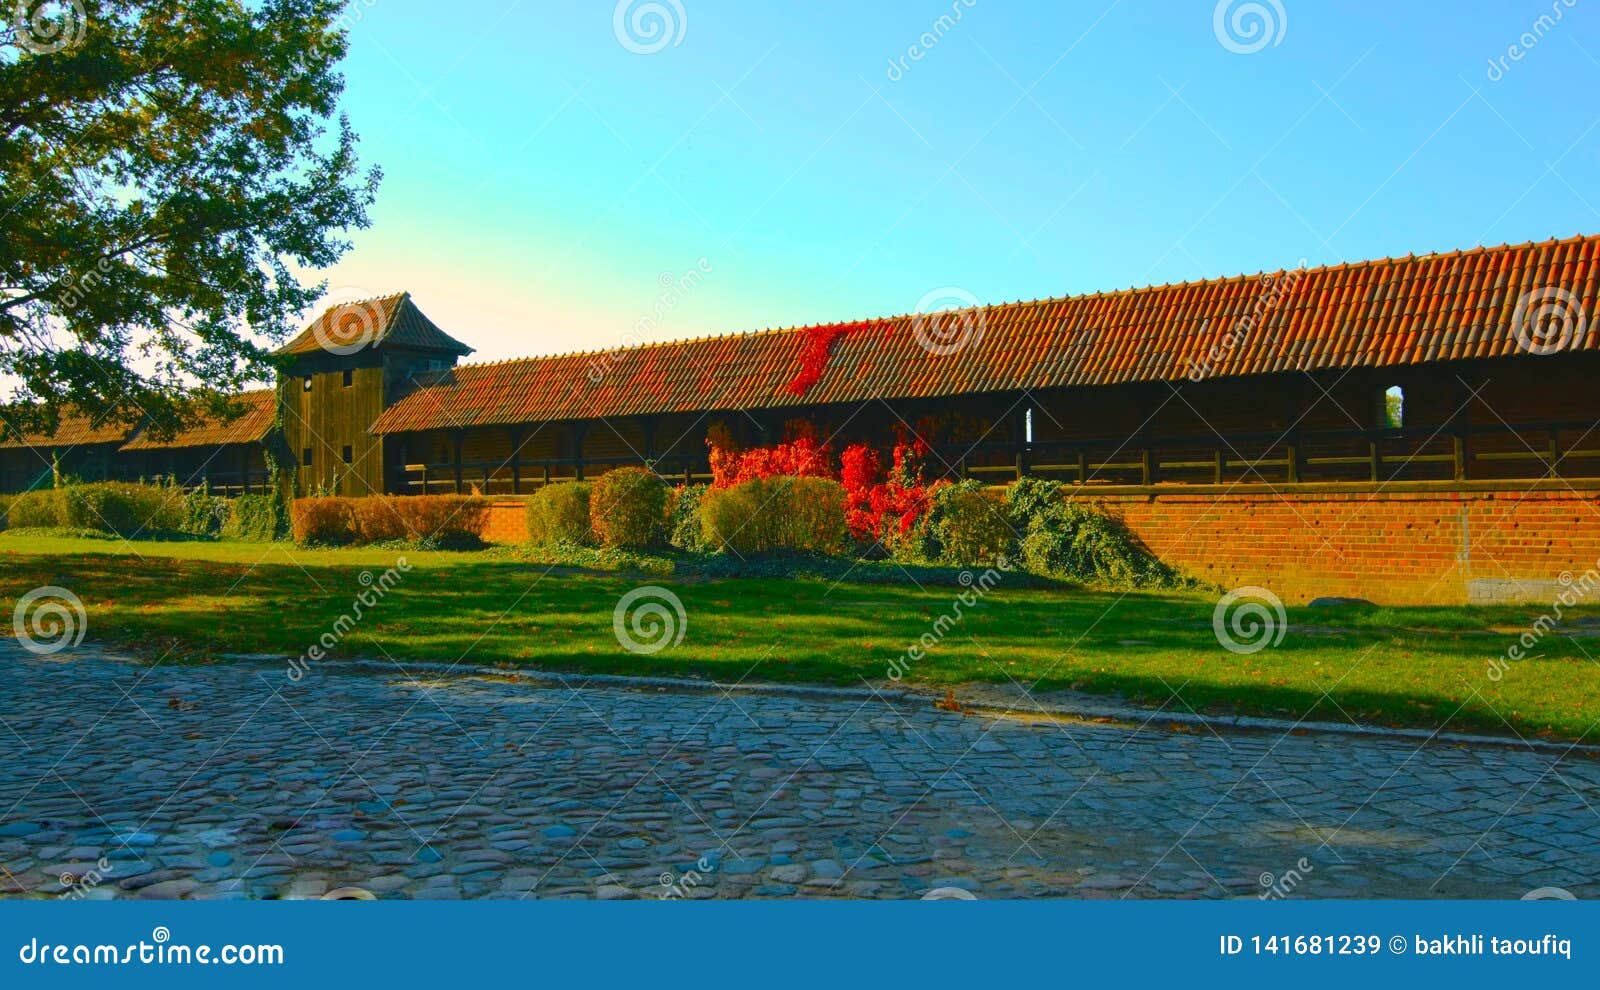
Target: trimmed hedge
x: 123, y: 508
x: 968, y: 525
x: 763, y: 515
x: 628, y: 509
x: 559, y: 513
x: 327, y: 521
x: 454, y: 521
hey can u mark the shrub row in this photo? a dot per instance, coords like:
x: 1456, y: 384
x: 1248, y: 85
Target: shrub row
x: 144, y: 511
x: 452, y: 521
x: 628, y: 508
x: 778, y: 513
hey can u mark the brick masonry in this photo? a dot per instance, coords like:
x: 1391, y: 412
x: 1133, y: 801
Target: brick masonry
x: 507, y: 522
x: 1390, y: 547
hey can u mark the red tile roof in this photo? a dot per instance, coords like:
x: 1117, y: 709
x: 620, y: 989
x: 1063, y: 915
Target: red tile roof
x: 74, y: 430
x: 1396, y: 311
x: 260, y: 412
x: 369, y: 322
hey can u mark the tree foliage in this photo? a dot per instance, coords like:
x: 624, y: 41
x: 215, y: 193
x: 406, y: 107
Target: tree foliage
x: 165, y: 167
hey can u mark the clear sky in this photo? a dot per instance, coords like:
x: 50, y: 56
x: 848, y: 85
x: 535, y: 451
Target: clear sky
x: 542, y: 178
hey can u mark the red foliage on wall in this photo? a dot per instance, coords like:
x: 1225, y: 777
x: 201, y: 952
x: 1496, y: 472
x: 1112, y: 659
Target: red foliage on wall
x: 800, y: 457
x: 887, y: 509
x: 820, y: 342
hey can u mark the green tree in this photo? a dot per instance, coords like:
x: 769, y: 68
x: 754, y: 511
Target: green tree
x: 165, y: 165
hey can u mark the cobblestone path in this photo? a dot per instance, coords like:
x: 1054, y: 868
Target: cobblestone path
x: 232, y: 781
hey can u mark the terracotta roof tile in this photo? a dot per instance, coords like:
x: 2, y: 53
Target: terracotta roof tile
x: 370, y: 322
x: 260, y: 412
x: 1389, y: 312
x: 74, y: 430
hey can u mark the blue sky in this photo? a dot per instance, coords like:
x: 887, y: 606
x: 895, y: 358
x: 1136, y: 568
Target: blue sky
x: 542, y: 178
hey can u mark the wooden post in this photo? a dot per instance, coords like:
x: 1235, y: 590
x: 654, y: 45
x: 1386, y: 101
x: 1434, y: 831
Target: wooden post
x: 649, y: 424
x: 1083, y: 466
x: 1555, y: 450
x: 578, y: 430
x: 1292, y: 458
x: 1147, y: 466
x: 456, y: 442
x: 1374, y: 458
x: 515, y: 432
x: 1219, y: 463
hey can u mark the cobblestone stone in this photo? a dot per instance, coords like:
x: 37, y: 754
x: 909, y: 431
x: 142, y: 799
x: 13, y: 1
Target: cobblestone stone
x: 470, y: 786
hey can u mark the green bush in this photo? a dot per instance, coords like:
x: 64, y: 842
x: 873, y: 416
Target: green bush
x: 126, y: 509
x: 686, y: 530
x: 5, y: 508
x: 1029, y: 497
x: 763, y: 515
x: 45, y: 507
x: 559, y: 513
x: 201, y: 514
x: 969, y: 525
x: 253, y: 518
x: 628, y: 508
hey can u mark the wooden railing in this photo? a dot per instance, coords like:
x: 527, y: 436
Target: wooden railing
x: 1461, y: 452
x: 226, y: 483
x: 1456, y: 452
x: 531, y: 474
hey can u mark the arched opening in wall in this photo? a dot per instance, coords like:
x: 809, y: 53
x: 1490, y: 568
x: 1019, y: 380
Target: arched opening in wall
x: 1392, y: 408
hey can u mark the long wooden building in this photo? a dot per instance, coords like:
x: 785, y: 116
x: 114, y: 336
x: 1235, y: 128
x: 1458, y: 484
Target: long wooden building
x: 1433, y: 375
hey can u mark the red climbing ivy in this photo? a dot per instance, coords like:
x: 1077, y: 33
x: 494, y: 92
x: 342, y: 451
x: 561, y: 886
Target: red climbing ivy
x: 801, y: 457
x: 888, y: 508
x: 879, y: 506
x: 818, y: 348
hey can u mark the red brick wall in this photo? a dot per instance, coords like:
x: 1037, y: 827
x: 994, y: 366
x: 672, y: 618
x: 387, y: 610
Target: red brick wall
x: 507, y: 522
x: 1391, y: 548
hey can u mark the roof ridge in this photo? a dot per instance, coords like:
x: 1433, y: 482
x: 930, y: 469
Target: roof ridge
x: 1412, y: 258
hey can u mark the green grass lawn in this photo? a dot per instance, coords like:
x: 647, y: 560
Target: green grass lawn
x: 1395, y: 666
